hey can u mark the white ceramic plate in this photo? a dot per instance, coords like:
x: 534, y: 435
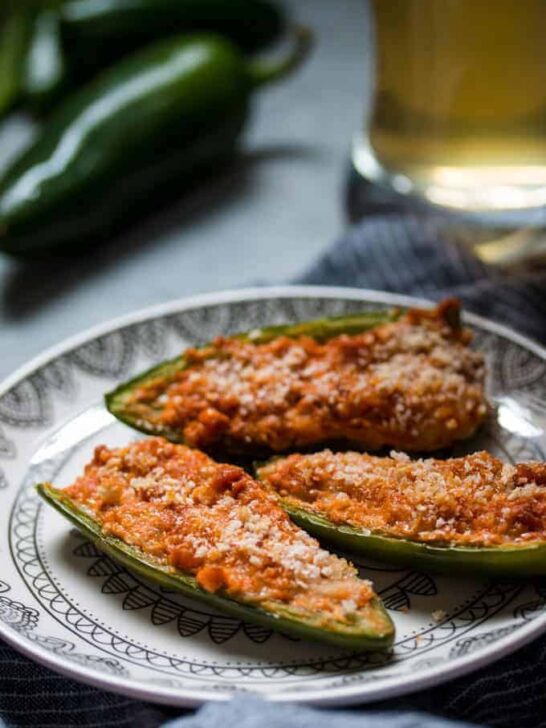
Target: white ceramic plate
x: 68, y: 607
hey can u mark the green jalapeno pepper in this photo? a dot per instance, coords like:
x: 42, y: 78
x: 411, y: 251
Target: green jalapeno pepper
x: 16, y: 22
x: 45, y: 74
x: 137, y: 132
x: 118, y: 401
x: 76, y: 39
x: 372, y: 631
x: 111, y: 28
x: 488, y: 561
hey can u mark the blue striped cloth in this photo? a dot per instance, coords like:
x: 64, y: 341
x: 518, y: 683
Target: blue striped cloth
x: 395, y: 250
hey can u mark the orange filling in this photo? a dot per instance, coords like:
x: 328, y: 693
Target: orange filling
x: 215, y: 522
x: 413, y: 384
x: 474, y: 500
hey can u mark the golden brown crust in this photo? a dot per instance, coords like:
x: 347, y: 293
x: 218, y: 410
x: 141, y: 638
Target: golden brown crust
x: 413, y: 384
x: 214, y: 521
x: 472, y: 500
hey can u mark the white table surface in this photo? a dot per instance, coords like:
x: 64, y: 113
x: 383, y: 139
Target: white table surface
x: 266, y: 220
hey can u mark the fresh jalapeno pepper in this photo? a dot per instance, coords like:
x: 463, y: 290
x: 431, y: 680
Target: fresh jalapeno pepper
x: 16, y: 22
x: 137, y: 132
x: 375, y: 632
x: 119, y: 400
x: 109, y: 28
x: 75, y: 40
x: 45, y: 75
x: 308, y: 486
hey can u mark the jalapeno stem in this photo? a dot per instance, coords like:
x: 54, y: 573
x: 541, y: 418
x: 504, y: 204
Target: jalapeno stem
x: 266, y: 71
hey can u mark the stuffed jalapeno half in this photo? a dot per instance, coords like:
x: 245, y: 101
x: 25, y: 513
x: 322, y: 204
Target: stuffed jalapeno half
x: 212, y: 532
x: 406, y: 380
x: 469, y: 515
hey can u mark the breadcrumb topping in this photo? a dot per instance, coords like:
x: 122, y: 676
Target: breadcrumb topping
x: 414, y: 384
x: 475, y: 500
x: 215, y: 522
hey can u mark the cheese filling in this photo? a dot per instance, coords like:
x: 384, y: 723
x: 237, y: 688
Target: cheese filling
x: 475, y: 500
x: 413, y: 384
x: 215, y: 522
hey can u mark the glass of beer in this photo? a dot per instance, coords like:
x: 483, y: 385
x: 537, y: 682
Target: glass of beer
x: 459, y: 109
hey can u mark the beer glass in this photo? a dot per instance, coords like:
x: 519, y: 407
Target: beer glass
x: 459, y: 109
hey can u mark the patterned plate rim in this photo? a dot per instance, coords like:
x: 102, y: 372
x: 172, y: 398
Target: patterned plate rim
x: 382, y: 688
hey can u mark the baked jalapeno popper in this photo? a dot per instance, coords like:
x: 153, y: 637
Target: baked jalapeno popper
x: 211, y: 531
x: 472, y: 514
x: 405, y: 380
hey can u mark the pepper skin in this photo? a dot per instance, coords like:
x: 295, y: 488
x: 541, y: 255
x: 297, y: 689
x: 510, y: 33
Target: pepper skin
x: 359, y: 636
x: 495, y: 562
x: 155, y: 120
x: 320, y: 329
x: 111, y: 28
x: 77, y: 39
x: 46, y: 75
x: 16, y: 24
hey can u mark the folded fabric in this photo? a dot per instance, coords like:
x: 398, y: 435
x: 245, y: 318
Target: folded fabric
x: 421, y: 255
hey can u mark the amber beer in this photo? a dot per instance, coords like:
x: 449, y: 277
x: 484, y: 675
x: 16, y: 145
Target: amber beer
x: 459, y: 110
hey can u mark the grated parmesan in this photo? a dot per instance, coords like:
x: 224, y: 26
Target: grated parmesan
x: 216, y: 522
x: 475, y: 499
x: 413, y: 385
